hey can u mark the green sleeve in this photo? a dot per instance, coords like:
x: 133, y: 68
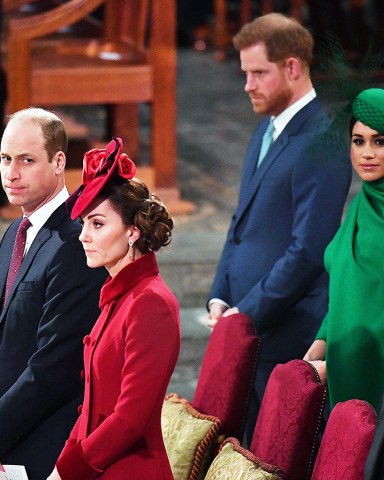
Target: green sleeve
x: 322, y: 333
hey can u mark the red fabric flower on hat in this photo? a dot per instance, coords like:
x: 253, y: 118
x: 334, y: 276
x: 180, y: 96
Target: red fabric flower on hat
x: 93, y: 162
x: 127, y: 169
x: 96, y: 159
x: 99, y: 166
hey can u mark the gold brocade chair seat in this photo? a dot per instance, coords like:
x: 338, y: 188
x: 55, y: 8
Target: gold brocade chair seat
x: 193, y: 430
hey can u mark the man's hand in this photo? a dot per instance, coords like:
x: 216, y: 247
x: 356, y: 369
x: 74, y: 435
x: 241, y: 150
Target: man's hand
x: 216, y: 311
x: 231, y: 311
x: 316, y: 351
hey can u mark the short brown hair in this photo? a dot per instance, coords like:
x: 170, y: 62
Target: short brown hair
x: 52, y: 127
x: 283, y: 37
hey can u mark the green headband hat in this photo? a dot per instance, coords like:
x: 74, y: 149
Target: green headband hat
x: 368, y: 108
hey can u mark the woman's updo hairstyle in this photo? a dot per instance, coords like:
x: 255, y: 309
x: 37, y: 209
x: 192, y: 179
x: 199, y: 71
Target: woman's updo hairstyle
x: 136, y: 206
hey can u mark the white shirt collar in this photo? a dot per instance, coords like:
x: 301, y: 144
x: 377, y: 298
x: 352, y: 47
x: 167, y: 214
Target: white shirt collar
x: 282, y: 120
x: 41, y: 215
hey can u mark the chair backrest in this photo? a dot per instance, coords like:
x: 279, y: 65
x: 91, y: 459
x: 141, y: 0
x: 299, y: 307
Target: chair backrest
x: 23, y: 31
x: 346, y: 442
x: 127, y: 24
x: 12, y: 5
x: 286, y: 432
x: 227, y: 373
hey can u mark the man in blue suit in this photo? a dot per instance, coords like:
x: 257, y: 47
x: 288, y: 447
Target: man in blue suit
x: 290, y: 203
x: 52, y: 304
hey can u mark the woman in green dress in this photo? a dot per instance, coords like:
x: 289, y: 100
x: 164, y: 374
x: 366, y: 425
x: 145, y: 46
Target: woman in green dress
x: 349, y: 348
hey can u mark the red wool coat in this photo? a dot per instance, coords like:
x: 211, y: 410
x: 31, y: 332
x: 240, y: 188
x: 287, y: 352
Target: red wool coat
x: 129, y: 358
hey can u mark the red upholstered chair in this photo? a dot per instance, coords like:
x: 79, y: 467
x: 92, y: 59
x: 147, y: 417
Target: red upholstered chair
x: 227, y: 373
x: 346, y: 442
x: 193, y: 431
x: 286, y: 432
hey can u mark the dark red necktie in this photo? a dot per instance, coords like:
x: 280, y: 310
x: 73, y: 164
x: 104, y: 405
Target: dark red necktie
x: 17, y: 255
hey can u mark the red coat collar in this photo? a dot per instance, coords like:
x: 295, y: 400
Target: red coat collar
x: 128, y: 278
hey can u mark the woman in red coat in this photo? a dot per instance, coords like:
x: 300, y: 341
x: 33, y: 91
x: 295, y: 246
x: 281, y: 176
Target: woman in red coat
x: 131, y: 352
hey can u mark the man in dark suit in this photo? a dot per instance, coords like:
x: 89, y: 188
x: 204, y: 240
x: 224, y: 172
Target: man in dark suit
x: 52, y: 303
x: 290, y: 203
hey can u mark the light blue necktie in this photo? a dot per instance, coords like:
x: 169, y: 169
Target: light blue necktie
x: 266, y: 142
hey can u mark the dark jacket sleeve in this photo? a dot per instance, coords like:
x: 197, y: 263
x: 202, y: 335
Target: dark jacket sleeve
x: 374, y: 468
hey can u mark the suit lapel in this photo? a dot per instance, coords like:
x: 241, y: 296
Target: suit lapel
x: 253, y: 176
x: 44, y: 234
x: 7, y: 249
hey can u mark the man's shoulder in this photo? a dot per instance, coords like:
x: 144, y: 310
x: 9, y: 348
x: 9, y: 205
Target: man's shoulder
x: 313, y: 114
x: 73, y: 227
x: 60, y: 220
x: 316, y: 124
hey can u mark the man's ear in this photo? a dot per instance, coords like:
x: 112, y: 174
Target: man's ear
x: 60, y: 160
x: 293, y: 67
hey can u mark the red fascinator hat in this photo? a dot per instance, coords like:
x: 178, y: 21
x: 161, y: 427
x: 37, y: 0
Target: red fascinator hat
x: 99, y: 165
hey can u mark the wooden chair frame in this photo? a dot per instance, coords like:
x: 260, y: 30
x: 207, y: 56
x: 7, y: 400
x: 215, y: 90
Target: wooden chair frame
x: 152, y: 78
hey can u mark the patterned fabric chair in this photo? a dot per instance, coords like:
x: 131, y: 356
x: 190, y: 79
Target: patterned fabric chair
x: 192, y: 431
x: 227, y: 373
x: 286, y: 432
x: 190, y: 438
x: 235, y: 462
x: 346, y: 442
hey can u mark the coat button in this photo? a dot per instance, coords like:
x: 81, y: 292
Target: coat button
x: 79, y: 409
x: 237, y: 240
x: 87, y: 340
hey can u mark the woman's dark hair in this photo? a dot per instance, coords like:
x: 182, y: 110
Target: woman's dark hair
x: 352, y: 122
x: 136, y: 206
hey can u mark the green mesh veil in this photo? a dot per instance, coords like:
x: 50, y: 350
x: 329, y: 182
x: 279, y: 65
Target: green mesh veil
x: 339, y: 82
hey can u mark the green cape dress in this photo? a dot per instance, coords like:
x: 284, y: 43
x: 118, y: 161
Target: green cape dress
x: 354, y: 325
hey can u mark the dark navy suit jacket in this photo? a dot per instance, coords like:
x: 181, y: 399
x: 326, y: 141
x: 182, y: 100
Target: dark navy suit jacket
x: 289, y: 208
x: 374, y: 468
x: 51, y: 307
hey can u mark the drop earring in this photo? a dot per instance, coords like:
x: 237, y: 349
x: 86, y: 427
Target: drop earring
x: 131, y: 252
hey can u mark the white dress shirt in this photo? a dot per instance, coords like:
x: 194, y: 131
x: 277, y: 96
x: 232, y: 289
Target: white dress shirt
x: 41, y: 215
